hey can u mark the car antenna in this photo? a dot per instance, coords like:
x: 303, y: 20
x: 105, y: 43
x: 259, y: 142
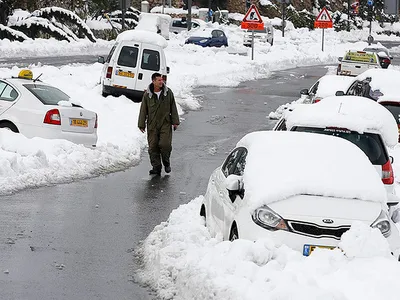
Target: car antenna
x: 34, y: 80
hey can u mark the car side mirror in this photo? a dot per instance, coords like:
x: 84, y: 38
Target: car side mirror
x: 339, y: 93
x: 391, y: 158
x: 340, y: 58
x: 101, y: 60
x: 234, y: 185
x: 391, y: 57
x: 168, y: 70
x: 304, y: 92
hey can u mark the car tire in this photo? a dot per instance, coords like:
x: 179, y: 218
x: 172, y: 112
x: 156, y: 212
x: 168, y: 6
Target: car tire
x: 9, y: 126
x: 233, y: 235
x: 103, y: 93
x: 203, y: 213
x: 272, y: 42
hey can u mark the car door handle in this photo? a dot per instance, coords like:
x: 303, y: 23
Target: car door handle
x: 213, y: 181
x: 140, y: 77
x: 358, y: 67
x: 221, y: 194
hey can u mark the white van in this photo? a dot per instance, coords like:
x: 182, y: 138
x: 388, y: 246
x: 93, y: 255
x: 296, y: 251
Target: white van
x: 355, y: 62
x: 135, y: 56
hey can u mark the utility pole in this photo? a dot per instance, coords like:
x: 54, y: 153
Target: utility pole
x: 348, y: 15
x: 189, y: 15
x: 123, y: 14
x: 283, y: 18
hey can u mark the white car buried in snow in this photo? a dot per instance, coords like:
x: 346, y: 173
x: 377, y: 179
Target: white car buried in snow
x: 359, y: 120
x: 37, y: 109
x: 296, y: 188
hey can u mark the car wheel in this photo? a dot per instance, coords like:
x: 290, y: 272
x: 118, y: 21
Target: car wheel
x: 9, y: 126
x: 203, y: 212
x: 103, y: 93
x: 234, y: 235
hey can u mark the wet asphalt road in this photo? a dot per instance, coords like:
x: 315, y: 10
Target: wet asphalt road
x: 75, y: 241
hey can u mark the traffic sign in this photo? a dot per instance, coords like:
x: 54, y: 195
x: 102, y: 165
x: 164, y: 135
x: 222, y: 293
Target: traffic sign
x: 370, y: 2
x: 323, y: 20
x: 252, y: 20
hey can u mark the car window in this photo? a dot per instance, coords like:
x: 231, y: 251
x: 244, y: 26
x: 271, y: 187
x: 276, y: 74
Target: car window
x: 48, y: 95
x: 214, y: 34
x: 314, y: 88
x: 195, y: 25
x: 395, y: 110
x: 370, y: 143
x: 128, y: 57
x: 281, y: 126
x: 355, y: 89
x: 7, y: 92
x: 229, y: 165
x: 111, y: 53
x: 150, y: 60
x: 241, y: 163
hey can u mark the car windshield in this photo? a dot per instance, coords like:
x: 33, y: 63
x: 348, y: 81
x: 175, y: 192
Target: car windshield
x: 48, y: 95
x: 395, y: 110
x: 370, y: 143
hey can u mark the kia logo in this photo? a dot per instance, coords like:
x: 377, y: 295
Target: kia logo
x: 327, y: 221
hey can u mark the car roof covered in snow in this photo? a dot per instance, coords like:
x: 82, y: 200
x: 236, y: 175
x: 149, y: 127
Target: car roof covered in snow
x: 143, y: 36
x: 352, y: 112
x: 281, y: 164
x: 387, y: 81
x: 330, y: 84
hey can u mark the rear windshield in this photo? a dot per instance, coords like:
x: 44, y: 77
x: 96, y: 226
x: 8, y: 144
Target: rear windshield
x: 370, y: 143
x: 395, y: 110
x: 128, y: 57
x: 48, y: 95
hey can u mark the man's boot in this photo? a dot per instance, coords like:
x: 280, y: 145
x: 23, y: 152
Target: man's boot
x: 155, y: 171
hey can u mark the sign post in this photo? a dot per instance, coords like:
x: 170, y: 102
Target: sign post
x: 323, y: 21
x: 252, y: 21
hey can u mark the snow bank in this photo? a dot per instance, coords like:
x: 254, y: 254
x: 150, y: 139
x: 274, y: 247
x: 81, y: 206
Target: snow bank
x: 143, y: 36
x: 182, y: 261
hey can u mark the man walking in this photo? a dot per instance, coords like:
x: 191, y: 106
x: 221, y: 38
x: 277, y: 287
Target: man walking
x: 158, y: 111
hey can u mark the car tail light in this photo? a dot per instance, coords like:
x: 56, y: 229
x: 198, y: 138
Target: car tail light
x: 386, y: 60
x: 109, y: 72
x: 339, y: 69
x: 398, y: 129
x: 387, y: 173
x: 52, y: 117
x: 164, y: 77
x: 316, y: 100
x: 95, y: 123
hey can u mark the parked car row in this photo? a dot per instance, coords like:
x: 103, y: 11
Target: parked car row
x: 324, y: 165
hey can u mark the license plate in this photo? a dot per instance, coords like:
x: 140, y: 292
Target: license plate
x: 308, y: 249
x: 126, y: 74
x: 79, y: 122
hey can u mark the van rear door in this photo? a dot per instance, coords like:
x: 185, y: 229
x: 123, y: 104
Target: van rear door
x: 126, y: 68
x: 152, y: 61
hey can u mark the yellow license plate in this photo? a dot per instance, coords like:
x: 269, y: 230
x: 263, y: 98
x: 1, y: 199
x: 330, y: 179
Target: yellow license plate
x: 308, y: 249
x: 79, y: 122
x: 126, y: 74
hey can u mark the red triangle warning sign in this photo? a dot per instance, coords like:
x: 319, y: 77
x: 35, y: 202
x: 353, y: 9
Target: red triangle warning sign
x: 323, y: 16
x: 252, y: 15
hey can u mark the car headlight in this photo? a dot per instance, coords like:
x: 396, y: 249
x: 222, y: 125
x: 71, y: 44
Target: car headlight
x: 383, y: 224
x: 267, y: 218
x: 203, y: 41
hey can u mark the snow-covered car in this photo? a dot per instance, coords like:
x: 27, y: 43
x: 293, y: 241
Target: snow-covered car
x: 359, y: 120
x: 307, y: 199
x: 178, y: 25
x: 208, y: 38
x: 355, y: 62
x: 36, y: 109
x: 326, y: 86
x: 379, y: 85
x: 383, y: 53
x: 266, y: 35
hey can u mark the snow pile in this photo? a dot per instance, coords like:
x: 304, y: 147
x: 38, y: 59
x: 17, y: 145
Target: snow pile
x: 298, y: 152
x: 362, y: 241
x: 138, y: 35
x: 181, y: 261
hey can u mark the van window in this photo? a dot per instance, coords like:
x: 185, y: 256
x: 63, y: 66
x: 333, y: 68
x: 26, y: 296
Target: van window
x: 150, y: 60
x: 128, y: 57
x: 111, y: 54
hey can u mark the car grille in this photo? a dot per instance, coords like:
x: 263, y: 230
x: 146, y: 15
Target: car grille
x: 317, y: 231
